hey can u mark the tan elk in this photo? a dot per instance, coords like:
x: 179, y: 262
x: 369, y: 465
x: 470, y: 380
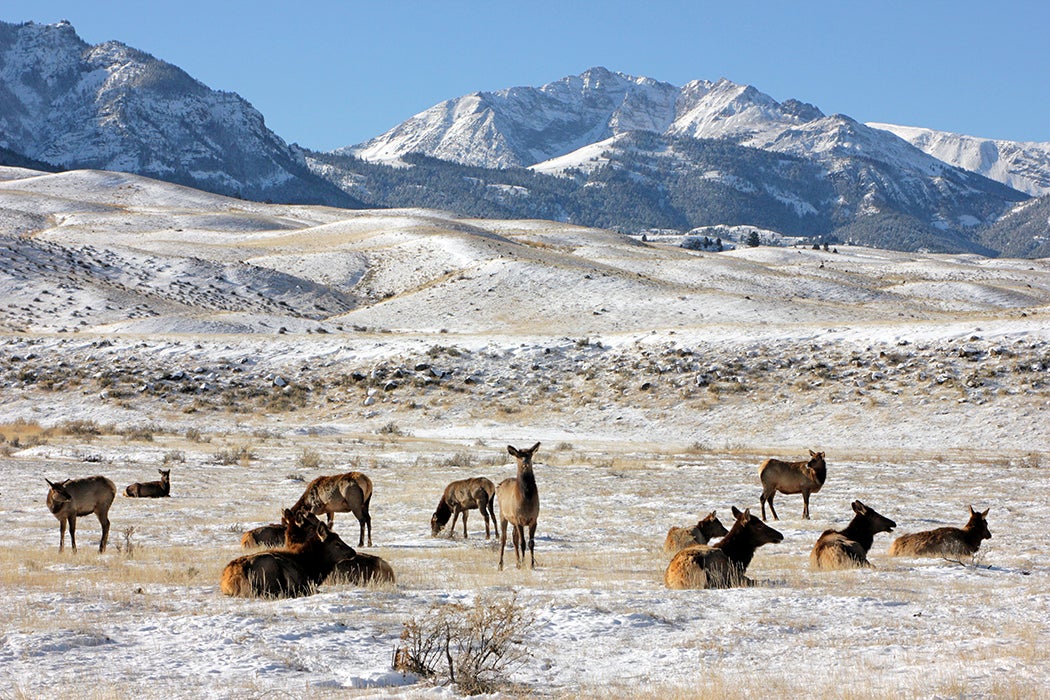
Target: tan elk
x: 804, y: 477
x: 356, y: 568
x: 74, y: 497
x: 461, y: 496
x: 705, y: 530
x: 724, y: 565
x: 848, y: 548
x: 271, y: 535
x: 290, y: 572
x: 945, y: 541
x: 151, y: 489
x: 519, y: 505
x: 340, y: 493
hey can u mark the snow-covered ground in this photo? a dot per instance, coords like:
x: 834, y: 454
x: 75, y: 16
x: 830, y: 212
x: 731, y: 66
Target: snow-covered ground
x: 415, y: 346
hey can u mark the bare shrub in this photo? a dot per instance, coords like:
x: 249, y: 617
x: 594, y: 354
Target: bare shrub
x: 127, y: 546
x: 239, y: 454
x: 142, y: 433
x: 473, y: 647
x: 194, y: 435
x: 82, y: 428
x: 309, y: 459
x: 172, y: 456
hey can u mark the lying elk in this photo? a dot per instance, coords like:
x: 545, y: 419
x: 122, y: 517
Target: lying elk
x: 151, y: 489
x: 358, y: 568
x: 519, y: 505
x: 848, y: 548
x: 271, y: 535
x: 792, y: 477
x: 461, y: 496
x: 724, y: 564
x: 708, y: 528
x: 73, y: 497
x: 290, y: 572
x: 945, y: 541
x: 340, y: 493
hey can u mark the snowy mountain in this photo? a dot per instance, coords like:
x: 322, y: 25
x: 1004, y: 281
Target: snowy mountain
x: 1025, y: 166
x: 116, y: 108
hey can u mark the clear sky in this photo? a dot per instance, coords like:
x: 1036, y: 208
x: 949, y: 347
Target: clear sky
x: 327, y: 73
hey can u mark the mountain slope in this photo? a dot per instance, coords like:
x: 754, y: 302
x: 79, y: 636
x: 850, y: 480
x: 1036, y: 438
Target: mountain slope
x: 116, y: 108
x: 1023, y: 166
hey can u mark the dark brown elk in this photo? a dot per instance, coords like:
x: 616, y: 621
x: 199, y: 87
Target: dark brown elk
x: 74, y: 497
x: 708, y: 528
x: 519, y: 505
x: 792, y: 477
x: 724, y: 565
x: 848, y: 548
x: 461, y: 496
x: 290, y: 572
x: 271, y: 535
x: 358, y: 568
x: 151, y: 489
x: 945, y: 541
x: 340, y: 493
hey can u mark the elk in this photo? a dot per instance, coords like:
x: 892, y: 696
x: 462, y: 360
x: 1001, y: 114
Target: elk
x: 724, y: 564
x: 848, y: 548
x: 792, y: 477
x: 73, y: 497
x: 706, y: 529
x: 151, y: 489
x: 519, y: 505
x: 357, y: 568
x: 461, y: 496
x: 271, y: 535
x: 339, y: 493
x: 945, y: 541
x: 290, y: 572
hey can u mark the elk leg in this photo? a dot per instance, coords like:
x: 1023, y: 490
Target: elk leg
x: 805, y: 505
x: 771, y: 508
x: 73, y: 532
x: 103, y: 520
x: 452, y: 527
x: 61, y: 534
x: 368, y: 522
x: 485, y: 514
x: 532, y: 546
x: 518, y: 544
x: 502, y: 543
x: 464, y: 524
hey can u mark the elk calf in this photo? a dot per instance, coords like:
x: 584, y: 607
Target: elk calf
x: 293, y: 571
x: 848, y: 548
x: 340, y: 493
x: 804, y: 477
x: 723, y: 565
x: 945, y: 541
x: 271, y: 535
x: 151, y: 489
x: 73, y: 497
x: 461, y: 496
x: 678, y: 538
x: 519, y: 505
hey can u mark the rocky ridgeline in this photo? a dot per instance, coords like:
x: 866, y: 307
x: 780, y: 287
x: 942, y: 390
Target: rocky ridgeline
x: 564, y: 375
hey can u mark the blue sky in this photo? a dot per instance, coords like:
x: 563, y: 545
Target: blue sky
x: 327, y: 74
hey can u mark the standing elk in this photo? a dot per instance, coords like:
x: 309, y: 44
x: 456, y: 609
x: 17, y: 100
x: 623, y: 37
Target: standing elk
x: 271, y: 535
x: 291, y: 572
x: 848, y: 548
x: 792, y: 477
x: 73, y: 497
x: 340, y: 493
x: 708, y: 527
x: 461, y: 496
x: 519, y: 505
x: 724, y: 565
x: 945, y: 541
x: 151, y: 489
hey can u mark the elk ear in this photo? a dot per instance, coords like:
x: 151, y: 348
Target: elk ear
x: 535, y: 447
x: 812, y: 453
x: 513, y: 451
x: 859, y: 508
x: 710, y: 516
x: 322, y: 531
x: 972, y: 511
x: 50, y: 483
x: 985, y: 513
x: 736, y: 513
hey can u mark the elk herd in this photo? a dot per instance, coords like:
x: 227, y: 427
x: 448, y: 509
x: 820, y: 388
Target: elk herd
x: 301, y: 552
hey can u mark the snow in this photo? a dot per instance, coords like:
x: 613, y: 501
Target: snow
x: 923, y: 377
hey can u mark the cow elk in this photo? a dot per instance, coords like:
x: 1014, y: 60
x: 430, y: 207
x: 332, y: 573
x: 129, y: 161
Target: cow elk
x: 356, y: 568
x: 724, y: 565
x: 269, y: 536
x: 804, y: 477
x: 708, y: 528
x: 74, y: 497
x: 290, y: 572
x: 340, y: 493
x: 848, y: 548
x: 519, y: 505
x: 945, y: 541
x: 461, y: 496
x: 151, y: 489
